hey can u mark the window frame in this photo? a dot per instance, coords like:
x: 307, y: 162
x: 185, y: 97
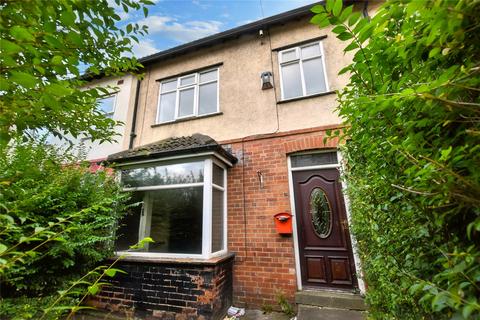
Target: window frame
x: 298, y: 59
x: 207, y: 205
x: 196, y: 95
x: 111, y: 113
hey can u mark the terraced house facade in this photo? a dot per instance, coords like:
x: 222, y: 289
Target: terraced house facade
x: 224, y: 151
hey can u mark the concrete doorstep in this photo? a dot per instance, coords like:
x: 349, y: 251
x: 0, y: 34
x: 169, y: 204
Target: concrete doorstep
x: 328, y: 305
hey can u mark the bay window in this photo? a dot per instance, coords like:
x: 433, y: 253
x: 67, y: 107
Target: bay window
x: 192, y: 95
x: 302, y: 71
x: 180, y: 205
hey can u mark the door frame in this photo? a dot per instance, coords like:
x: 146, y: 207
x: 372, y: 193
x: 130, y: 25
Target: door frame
x: 339, y: 165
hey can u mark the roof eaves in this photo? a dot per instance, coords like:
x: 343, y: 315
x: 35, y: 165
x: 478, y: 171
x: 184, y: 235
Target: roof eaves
x: 228, y: 34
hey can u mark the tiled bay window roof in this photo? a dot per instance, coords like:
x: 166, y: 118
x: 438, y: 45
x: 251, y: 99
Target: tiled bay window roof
x: 174, y: 146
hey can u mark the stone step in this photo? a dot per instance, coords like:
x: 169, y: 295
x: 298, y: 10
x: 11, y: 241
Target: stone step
x: 306, y: 312
x: 331, y: 299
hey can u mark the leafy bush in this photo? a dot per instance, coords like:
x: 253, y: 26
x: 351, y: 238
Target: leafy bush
x: 57, y: 219
x: 412, y: 110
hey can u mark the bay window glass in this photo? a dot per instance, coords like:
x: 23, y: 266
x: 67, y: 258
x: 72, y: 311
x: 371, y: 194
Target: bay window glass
x: 302, y: 71
x: 174, y: 204
x: 164, y: 174
x: 192, y: 95
x: 217, y: 220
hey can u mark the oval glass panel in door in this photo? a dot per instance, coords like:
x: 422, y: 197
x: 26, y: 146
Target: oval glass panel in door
x: 321, y: 212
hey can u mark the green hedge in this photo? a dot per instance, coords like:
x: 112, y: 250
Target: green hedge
x: 413, y: 153
x: 57, y: 219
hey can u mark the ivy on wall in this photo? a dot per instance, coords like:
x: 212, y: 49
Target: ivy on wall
x: 413, y: 154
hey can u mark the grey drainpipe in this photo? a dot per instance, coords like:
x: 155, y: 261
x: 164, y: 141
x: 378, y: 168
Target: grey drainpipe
x: 134, y: 119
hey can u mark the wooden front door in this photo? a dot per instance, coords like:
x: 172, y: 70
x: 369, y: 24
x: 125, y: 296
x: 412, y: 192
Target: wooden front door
x: 326, y: 258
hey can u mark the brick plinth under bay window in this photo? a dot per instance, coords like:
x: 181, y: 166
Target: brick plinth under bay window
x: 265, y: 261
x: 169, y: 290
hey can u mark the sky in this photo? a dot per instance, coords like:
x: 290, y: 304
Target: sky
x: 174, y: 22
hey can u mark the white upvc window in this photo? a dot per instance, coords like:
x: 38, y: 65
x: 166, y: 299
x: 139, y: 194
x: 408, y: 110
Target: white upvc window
x: 107, y: 105
x: 302, y: 71
x: 181, y: 205
x: 192, y: 95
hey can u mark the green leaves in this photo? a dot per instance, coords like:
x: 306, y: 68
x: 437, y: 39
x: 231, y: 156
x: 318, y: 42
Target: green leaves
x: 67, y: 17
x: 111, y: 272
x: 23, y: 79
x: 58, y: 215
x: 93, y: 289
x: 21, y: 34
x: 8, y: 47
x: 44, y: 42
x: 337, y: 7
x: 413, y: 153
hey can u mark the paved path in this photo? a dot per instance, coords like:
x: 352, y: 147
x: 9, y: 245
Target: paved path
x: 259, y: 315
x: 249, y: 315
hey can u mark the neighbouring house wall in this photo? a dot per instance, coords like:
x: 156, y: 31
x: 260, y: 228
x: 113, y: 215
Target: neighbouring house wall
x: 169, y: 290
x: 264, y: 260
x: 124, y: 105
x: 246, y: 109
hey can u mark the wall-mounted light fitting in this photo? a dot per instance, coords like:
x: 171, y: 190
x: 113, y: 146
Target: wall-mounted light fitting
x: 266, y: 80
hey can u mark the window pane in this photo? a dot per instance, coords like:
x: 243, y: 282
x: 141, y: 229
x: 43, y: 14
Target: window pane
x: 187, y: 80
x: 167, y: 107
x: 217, y: 175
x: 169, y: 86
x: 314, y: 76
x: 208, y: 76
x: 208, y: 98
x: 292, y: 81
x: 179, y: 173
x: 127, y: 232
x: 314, y: 159
x: 289, y: 55
x: 185, y: 107
x: 176, y: 220
x: 311, y: 51
x: 217, y: 220
x: 107, y: 104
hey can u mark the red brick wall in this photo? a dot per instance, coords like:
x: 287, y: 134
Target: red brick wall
x: 264, y: 262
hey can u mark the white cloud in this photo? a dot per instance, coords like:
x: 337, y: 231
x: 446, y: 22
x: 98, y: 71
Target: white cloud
x: 119, y: 10
x: 170, y: 28
x: 144, y: 48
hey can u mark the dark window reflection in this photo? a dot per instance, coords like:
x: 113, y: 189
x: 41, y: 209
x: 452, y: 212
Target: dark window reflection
x: 314, y: 159
x: 127, y: 233
x: 163, y: 175
x: 217, y: 220
x: 217, y: 175
x: 173, y: 220
x: 176, y: 224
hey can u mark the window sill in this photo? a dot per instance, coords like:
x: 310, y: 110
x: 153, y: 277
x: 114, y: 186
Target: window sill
x: 307, y: 97
x: 187, y: 119
x: 193, y: 261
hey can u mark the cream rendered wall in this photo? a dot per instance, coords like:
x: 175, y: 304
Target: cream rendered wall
x: 124, y: 102
x: 247, y: 110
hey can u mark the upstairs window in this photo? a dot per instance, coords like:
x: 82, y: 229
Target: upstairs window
x: 302, y: 71
x: 107, y: 105
x: 188, y: 96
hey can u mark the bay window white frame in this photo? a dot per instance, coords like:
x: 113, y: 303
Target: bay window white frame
x: 298, y: 59
x: 196, y: 95
x: 207, y: 214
